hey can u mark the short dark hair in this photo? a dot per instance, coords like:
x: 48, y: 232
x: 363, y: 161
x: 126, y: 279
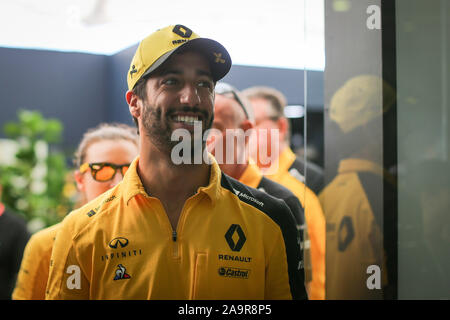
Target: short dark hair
x: 141, y: 91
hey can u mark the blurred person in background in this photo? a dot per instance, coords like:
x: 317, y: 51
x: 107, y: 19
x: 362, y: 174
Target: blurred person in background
x: 13, y: 238
x: 233, y: 118
x: 288, y: 170
x: 268, y: 104
x: 101, y: 160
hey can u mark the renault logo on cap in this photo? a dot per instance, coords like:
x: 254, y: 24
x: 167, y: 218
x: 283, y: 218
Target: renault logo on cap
x: 182, y: 31
x: 235, y: 229
x: 119, y: 241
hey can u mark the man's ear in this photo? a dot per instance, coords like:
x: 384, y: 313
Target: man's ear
x: 283, y: 126
x: 133, y: 104
x: 245, y: 126
x: 79, y: 180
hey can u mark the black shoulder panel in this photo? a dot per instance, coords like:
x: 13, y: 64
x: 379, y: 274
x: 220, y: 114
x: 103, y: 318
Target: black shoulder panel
x: 278, y: 191
x: 314, y: 174
x: 280, y: 213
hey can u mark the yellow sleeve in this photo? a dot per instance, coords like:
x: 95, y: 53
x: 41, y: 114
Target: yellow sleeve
x: 33, y: 274
x: 315, y: 221
x: 277, y: 278
x: 67, y: 278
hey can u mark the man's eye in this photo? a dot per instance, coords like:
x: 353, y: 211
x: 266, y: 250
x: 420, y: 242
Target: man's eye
x: 171, y: 81
x: 206, y: 84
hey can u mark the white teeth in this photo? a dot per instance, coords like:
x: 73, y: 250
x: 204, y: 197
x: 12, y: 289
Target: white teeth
x: 187, y: 119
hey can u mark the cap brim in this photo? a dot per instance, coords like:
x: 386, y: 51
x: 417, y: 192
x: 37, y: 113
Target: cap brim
x: 218, y: 56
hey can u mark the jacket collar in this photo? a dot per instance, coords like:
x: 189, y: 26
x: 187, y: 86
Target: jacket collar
x: 252, y: 175
x: 132, y: 184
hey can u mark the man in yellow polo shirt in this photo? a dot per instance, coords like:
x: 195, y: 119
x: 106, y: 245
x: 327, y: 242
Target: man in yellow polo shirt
x: 279, y: 164
x: 177, y: 229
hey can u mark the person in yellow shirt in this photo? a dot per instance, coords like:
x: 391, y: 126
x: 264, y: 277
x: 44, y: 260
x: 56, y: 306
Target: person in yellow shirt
x: 176, y: 227
x: 102, y: 157
x: 358, y: 200
x: 232, y: 126
x: 278, y: 163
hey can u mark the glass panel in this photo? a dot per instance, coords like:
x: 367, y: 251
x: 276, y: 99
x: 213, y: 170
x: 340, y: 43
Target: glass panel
x: 355, y: 177
x: 423, y: 143
x: 386, y: 138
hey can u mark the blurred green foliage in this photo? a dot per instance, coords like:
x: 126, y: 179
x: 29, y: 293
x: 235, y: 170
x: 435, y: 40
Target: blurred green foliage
x: 34, y: 186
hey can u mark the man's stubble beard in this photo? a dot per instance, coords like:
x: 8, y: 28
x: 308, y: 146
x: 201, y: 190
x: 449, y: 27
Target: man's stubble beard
x: 159, y: 132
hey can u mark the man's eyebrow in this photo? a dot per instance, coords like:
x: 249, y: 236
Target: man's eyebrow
x: 199, y: 72
x: 170, y: 71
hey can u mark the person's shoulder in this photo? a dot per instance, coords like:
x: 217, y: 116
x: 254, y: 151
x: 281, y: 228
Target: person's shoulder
x: 272, y: 207
x: 45, y: 236
x: 279, y: 191
x: 311, y: 167
x: 292, y: 183
x: 13, y: 219
x: 41, y: 242
x: 97, y: 209
x: 254, y: 197
x: 314, y: 176
x: 13, y: 226
x: 275, y: 189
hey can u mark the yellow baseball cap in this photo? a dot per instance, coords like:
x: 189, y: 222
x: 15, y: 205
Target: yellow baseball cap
x: 359, y: 100
x: 160, y: 45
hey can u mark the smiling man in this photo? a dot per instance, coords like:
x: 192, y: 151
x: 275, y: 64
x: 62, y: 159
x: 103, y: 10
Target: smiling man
x: 187, y: 231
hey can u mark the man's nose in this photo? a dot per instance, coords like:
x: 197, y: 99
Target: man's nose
x: 189, y: 96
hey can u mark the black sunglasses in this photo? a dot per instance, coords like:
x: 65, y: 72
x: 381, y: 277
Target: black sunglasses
x: 224, y: 88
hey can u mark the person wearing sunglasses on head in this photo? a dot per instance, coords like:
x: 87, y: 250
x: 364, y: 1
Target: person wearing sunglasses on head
x: 233, y: 119
x: 234, y: 122
x: 177, y: 230
x: 102, y: 159
x: 284, y: 168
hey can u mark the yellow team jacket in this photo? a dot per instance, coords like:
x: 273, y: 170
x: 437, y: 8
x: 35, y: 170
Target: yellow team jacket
x: 231, y: 242
x: 253, y: 177
x: 33, y: 273
x: 315, y: 222
x: 354, y: 234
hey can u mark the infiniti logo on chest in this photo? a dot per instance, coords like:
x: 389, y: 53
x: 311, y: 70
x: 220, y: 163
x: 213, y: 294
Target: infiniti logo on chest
x: 118, y: 242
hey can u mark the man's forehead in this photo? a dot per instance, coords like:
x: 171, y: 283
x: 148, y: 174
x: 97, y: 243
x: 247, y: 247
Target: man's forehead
x: 261, y: 106
x: 227, y: 107
x: 180, y: 62
x: 224, y: 103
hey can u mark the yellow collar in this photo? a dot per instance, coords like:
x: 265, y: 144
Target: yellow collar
x: 284, y: 162
x: 252, y: 175
x: 132, y: 184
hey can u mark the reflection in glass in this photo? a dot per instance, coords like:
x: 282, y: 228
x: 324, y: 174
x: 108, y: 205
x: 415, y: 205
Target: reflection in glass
x: 357, y: 262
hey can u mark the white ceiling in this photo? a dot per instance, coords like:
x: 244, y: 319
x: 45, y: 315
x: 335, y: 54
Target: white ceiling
x: 255, y: 32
